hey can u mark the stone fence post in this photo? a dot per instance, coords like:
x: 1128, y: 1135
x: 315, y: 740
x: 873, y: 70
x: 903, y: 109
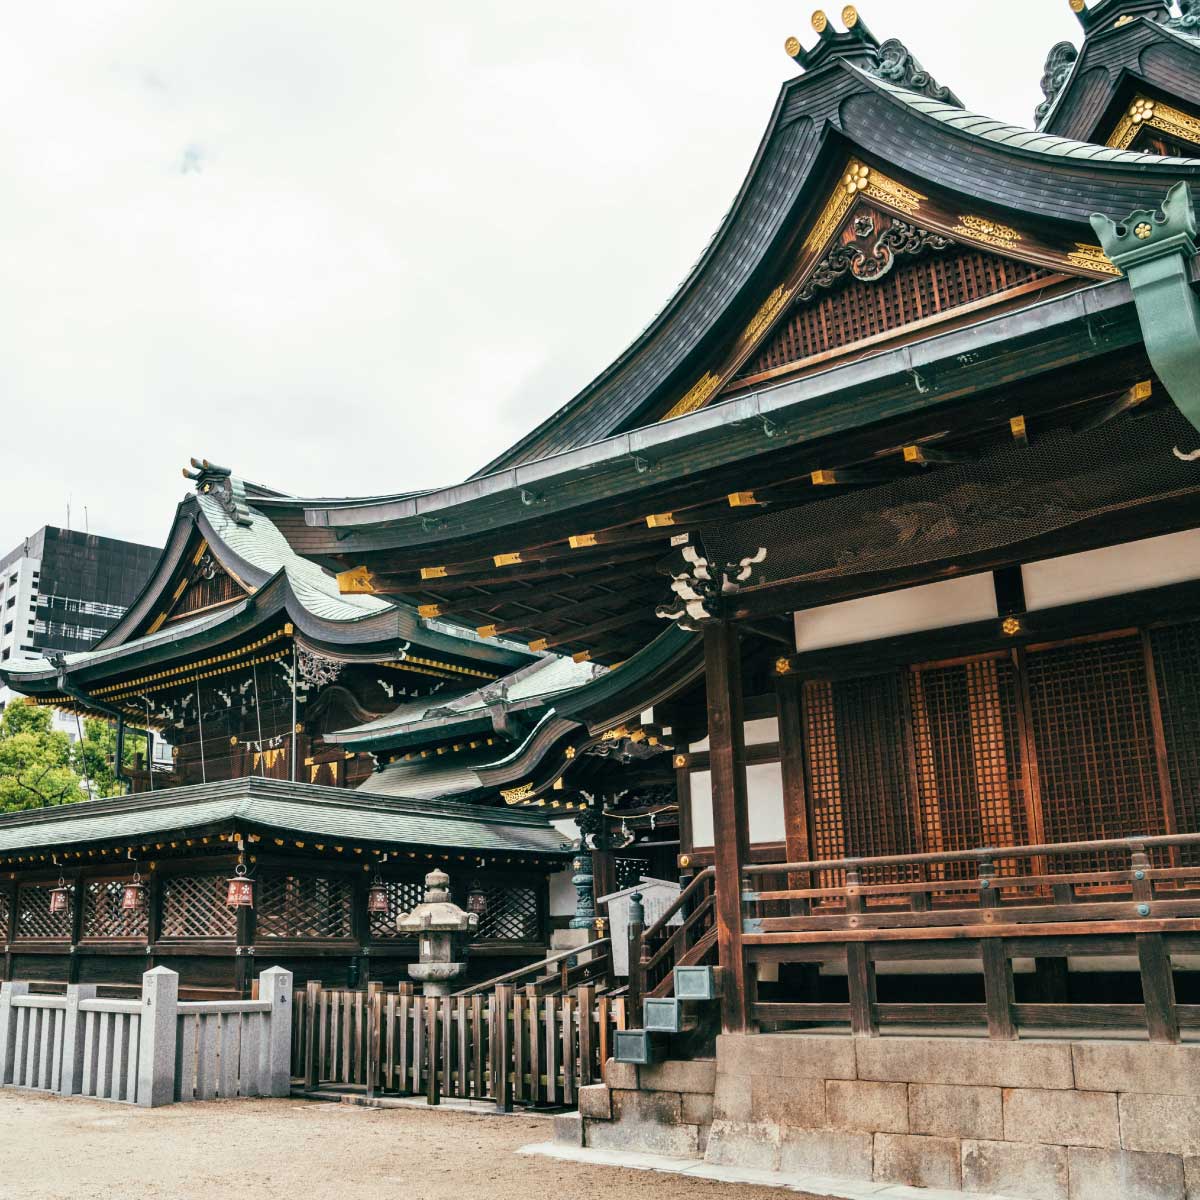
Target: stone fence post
x: 71, y: 1078
x: 8, y: 1028
x: 156, y: 1038
x: 275, y: 988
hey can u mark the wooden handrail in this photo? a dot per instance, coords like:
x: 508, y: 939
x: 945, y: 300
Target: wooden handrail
x: 705, y: 906
x: 510, y: 976
x: 679, y: 900
x: 983, y: 854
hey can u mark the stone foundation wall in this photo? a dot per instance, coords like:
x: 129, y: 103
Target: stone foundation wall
x: 1033, y: 1120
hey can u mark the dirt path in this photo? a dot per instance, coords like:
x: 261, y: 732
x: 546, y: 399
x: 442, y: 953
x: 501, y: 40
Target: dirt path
x: 55, y: 1149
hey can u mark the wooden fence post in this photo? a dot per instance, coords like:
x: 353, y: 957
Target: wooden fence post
x: 585, y: 1000
x: 637, y: 926
x: 70, y: 1080
x: 501, y: 1082
x: 156, y: 1037
x: 312, y: 1053
x: 374, y: 1035
x: 432, y: 1037
x: 275, y: 988
x: 8, y: 1028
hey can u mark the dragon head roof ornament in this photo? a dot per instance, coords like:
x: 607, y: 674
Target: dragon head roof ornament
x: 220, y: 483
x: 890, y: 60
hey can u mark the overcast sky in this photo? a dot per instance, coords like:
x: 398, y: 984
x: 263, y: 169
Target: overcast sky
x: 361, y: 247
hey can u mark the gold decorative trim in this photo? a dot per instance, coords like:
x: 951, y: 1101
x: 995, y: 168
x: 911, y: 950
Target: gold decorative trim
x: 771, y: 307
x: 515, y: 795
x: 1092, y: 258
x: 1163, y: 117
x: 507, y: 560
x: 696, y: 396
x: 980, y: 229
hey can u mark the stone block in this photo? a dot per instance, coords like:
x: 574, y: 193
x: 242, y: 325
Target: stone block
x: 1160, y: 1124
x: 825, y: 1152
x: 653, y: 1108
x: 743, y: 1144
x: 870, y: 1107
x: 732, y: 1097
x: 1137, y: 1067
x: 965, y: 1061
x: 670, y: 1141
x: 1191, y: 1177
x: 958, y: 1111
x: 815, y: 1056
x: 1129, y: 1176
x: 677, y: 1075
x: 788, y: 1100
x: 621, y: 1075
x: 697, y: 1108
x: 924, y: 1162
x: 1061, y: 1118
x: 568, y: 1129
x: 1015, y: 1169
x: 595, y: 1101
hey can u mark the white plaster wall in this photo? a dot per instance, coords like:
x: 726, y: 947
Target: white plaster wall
x: 764, y: 804
x: 1113, y: 570
x: 909, y: 610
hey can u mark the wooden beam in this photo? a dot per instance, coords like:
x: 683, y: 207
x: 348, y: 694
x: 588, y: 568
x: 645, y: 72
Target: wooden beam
x: 726, y: 732
x: 573, y: 637
x: 1122, y: 404
x: 929, y: 454
x: 847, y: 477
x: 542, y: 621
x: 1020, y: 434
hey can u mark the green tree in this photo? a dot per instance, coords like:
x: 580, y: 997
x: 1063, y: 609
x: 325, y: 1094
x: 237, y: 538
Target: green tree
x: 37, y: 765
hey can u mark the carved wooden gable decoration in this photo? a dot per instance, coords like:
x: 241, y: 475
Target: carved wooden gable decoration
x: 201, y: 583
x: 884, y: 262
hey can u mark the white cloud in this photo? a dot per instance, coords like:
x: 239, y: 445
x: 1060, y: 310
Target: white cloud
x: 361, y: 248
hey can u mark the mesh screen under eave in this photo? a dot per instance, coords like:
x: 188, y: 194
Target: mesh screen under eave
x: 1009, y: 497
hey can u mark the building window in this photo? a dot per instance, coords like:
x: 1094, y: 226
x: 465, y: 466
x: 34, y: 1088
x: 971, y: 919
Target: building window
x: 8, y: 627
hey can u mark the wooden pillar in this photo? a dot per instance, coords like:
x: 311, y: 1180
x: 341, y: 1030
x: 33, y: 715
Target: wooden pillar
x: 243, y: 963
x: 10, y: 925
x: 153, y: 916
x: 79, y: 898
x: 726, y: 734
x: 791, y: 766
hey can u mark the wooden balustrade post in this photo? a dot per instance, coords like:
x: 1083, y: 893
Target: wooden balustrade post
x: 997, y: 969
x: 860, y: 970
x: 1154, y: 963
x: 585, y: 998
x: 727, y: 766
x: 637, y: 929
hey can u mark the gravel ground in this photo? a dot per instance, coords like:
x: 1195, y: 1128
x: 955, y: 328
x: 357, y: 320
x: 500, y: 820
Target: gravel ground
x: 58, y: 1149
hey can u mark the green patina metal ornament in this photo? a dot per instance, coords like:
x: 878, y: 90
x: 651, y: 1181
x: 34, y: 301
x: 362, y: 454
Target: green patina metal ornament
x: 1154, y: 248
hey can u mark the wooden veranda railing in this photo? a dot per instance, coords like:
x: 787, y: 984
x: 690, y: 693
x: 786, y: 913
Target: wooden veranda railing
x: 512, y: 1046
x: 684, y: 934
x: 558, y: 973
x: 1048, y: 903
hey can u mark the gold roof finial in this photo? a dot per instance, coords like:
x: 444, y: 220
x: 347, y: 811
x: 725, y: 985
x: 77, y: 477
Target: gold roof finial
x: 820, y: 22
x: 1078, y: 5
x: 791, y: 48
x: 849, y: 16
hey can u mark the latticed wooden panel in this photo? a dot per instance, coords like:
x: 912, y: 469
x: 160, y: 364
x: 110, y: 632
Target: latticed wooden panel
x: 912, y: 292
x: 1177, y: 669
x: 304, y: 906
x: 403, y: 895
x: 629, y: 871
x: 512, y: 915
x: 103, y: 916
x: 193, y: 906
x: 861, y: 801
x: 1095, y: 746
x: 966, y: 742
x: 34, y: 918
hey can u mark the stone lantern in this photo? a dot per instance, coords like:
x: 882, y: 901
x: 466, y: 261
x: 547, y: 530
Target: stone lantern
x: 442, y: 928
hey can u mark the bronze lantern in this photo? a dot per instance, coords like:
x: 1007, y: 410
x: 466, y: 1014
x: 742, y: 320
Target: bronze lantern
x: 133, y: 895
x: 477, y: 901
x: 60, y: 897
x: 377, y: 897
x: 239, y: 892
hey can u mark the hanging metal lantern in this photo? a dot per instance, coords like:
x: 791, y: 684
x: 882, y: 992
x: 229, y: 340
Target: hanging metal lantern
x: 60, y: 897
x: 377, y: 897
x: 133, y: 896
x: 477, y: 901
x: 240, y: 890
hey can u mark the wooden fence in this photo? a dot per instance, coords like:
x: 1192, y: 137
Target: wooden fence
x: 512, y: 1046
x: 149, y: 1051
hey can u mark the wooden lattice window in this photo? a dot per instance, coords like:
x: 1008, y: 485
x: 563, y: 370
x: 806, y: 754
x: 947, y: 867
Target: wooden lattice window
x: 913, y: 291
x: 305, y: 906
x: 34, y: 918
x: 512, y: 915
x: 103, y: 916
x: 629, y: 871
x: 193, y: 906
x: 860, y: 796
x: 1095, y: 745
x: 403, y: 895
x: 966, y: 742
x: 1177, y: 670
x: 4, y: 913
